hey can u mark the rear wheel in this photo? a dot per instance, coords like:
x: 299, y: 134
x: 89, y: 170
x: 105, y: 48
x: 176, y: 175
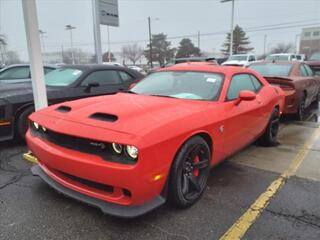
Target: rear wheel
x: 301, y: 109
x: 269, y: 137
x: 22, y: 122
x: 189, y: 172
x: 316, y: 102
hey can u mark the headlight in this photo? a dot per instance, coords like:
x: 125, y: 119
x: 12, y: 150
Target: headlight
x: 117, y: 148
x: 132, y: 151
x: 36, y: 125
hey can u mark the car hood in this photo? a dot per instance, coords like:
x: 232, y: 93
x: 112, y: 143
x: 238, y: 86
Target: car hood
x: 8, y: 90
x: 14, y: 89
x: 127, y: 113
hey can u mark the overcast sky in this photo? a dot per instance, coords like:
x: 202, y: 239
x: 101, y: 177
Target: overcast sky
x: 176, y: 18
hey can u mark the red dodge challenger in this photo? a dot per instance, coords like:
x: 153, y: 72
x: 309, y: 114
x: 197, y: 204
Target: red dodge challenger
x: 127, y: 153
x: 300, y: 84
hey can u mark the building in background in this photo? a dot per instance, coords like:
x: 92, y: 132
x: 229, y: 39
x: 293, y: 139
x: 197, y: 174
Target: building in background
x: 310, y: 41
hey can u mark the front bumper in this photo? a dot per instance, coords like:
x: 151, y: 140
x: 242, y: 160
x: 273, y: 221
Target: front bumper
x: 133, y: 187
x: 105, y: 207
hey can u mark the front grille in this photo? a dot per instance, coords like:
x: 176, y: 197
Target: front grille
x: 103, y: 187
x: 101, y: 149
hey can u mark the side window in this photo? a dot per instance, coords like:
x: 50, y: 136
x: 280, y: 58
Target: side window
x: 251, y: 58
x: 47, y: 70
x: 303, y: 71
x: 16, y: 73
x: 103, y: 77
x: 256, y: 83
x: 308, y: 69
x: 238, y: 83
x: 125, y: 76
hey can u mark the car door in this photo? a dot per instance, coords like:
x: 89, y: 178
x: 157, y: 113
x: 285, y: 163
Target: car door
x: 102, y: 82
x: 243, y: 121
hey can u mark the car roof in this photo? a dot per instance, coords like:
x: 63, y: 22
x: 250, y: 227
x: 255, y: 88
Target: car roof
x: 206, y: 68
x: 28, y: 65
x: 277, y: 62
x: 284, y: 54
x: 89, y: 67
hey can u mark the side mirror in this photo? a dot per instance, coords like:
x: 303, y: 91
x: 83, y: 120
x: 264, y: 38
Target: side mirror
x: 132, y: 85
x: 91, y: 85
x: 245, y: 95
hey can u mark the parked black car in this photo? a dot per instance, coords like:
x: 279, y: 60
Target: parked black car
x: 63, y: 84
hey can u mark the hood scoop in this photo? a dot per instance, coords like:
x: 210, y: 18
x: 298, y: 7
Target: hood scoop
x: 63, y: 109
x: 105, y: 117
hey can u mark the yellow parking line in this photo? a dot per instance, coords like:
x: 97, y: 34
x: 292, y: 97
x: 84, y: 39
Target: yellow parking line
x: 240, y: 227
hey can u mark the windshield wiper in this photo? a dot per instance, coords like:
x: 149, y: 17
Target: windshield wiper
x: 158, y: 95
x: 127, y: 91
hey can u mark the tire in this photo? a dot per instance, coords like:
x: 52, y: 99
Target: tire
x: 22, y: 122
x: 189, y: 172
x: 316, y: 102
x: 301, y: 109
x: 269, y: 137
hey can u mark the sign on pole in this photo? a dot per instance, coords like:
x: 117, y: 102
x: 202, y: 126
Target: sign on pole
x: 109, y: 13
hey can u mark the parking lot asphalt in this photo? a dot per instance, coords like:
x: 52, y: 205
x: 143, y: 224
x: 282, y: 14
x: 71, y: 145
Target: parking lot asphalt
x: 29, y: 209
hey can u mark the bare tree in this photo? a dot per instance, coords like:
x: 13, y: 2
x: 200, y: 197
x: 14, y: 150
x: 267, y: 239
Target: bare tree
x: 12, y: 57
x: 283, y: 48
x: 132, y: 52
x: 3, y: 44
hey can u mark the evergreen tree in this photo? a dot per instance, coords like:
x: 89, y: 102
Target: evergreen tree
x: 187, y: 49
x: 240, y: 42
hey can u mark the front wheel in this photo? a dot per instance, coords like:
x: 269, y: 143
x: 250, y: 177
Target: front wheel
x: 189, y: 172
x: 22, y: 122
x: 269, y: 137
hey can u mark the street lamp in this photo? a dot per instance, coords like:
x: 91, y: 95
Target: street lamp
x: 150, y: 41
x: 70, y: 28
x: 231, y: 32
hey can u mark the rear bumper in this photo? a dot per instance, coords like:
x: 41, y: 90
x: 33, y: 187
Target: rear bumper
x: 105, y: 207
x: 291, y: 102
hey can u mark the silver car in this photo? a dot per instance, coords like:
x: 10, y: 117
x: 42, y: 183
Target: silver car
x: 19, y: 73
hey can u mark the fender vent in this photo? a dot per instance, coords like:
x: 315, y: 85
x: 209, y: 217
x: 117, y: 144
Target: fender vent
x: 104, y: 117
x: 63, y: 109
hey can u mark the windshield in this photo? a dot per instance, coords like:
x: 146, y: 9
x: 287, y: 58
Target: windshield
x: 315, y: 57
x: 238, y: 57
x: 272, y: 69
x: 181, y: 84
x: 277, y: 57
x: 62, y: 77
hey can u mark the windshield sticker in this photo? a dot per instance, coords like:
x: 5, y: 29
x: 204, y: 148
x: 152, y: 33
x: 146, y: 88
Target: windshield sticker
x: 212, y: 80
x: 76, y: 72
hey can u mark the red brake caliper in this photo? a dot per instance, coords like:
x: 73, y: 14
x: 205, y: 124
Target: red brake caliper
x: 196, y: 171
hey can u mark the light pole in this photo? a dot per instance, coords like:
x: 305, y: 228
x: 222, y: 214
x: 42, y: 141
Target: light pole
x: 70, y: 28
x: 42, y: 36
x: 265, y: 44
x: 297, y: 43
x: 150, y: 41
x: 231, y: 30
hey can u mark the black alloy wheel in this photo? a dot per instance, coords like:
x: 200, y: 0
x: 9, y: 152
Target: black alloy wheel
x: 301, y: 109
x: 190, y: 172
x: 269, y: 137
